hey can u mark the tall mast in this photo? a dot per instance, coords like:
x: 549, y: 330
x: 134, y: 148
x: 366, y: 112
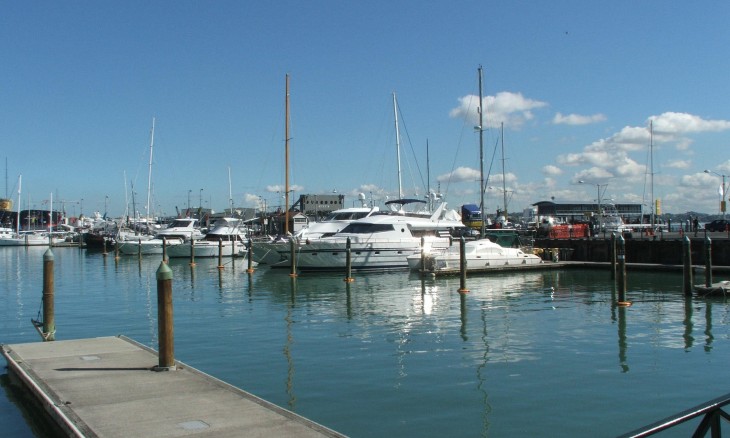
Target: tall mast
x: 149, y: 174
x: 397, y: 146
x: 428, y: 179
x: 230, y: 192
x: 481, y: 155
x: 286, y: 161
x: 504, y: 187
x: 651, y: 161
x: 17, y: 222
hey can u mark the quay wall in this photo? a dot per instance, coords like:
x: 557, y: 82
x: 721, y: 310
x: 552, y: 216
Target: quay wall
x: 653, y: 250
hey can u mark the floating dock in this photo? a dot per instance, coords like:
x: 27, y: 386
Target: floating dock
x: 108, y: 387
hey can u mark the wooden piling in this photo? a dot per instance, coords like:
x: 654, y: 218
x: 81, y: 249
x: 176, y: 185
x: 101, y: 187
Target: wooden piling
x: 249, y: 252
x: 423, y: 256
x: 621, y: 274
x: 687, y: 271
x: 49, y: 312
x: 708, y: 261
x: 164, y: 249
x: 462, y: 265
x: 165, y: 319
x: 139, y: 249
x: 293, y: 257
x: 192, y: 250
x: 613, y: 256
x: 348, y: 261
x: 220, y: 253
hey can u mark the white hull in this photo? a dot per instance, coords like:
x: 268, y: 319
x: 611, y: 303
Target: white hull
x: 30, y: 240
x: 369, y: 255
x: 206, y: 248
x: 480, y: 255
x: 146, y: 247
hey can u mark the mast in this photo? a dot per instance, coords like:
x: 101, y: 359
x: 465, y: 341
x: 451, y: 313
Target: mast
x: 17, y: 222
x: 397, y: 145
x: 428, y: 179
x: 149, y: 174
x: 504, y: 187
x: 481, y: 155
x: 230, y: 193
x: 286, y: 161
x: 651, y: 161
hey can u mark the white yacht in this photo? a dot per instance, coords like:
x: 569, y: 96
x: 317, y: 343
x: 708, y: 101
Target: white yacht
x: 379, y: 242
x: 275, y: 251
x: 228, y: 234
x: 480, y: 255
x: 179, y: 231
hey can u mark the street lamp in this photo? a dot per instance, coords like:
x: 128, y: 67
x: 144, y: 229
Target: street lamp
x: 598, y: 200
x: 723, y: 190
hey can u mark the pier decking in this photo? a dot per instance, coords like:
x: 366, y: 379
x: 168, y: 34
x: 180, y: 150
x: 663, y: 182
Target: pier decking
x: 107, y: 387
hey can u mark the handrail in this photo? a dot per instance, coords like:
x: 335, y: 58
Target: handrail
x: 712, y: 411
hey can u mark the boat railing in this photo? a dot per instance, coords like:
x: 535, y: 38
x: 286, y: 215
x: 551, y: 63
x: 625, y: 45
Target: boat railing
x: 712, y: 414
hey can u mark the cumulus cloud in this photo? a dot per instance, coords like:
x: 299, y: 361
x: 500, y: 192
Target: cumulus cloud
x: 278, y: 188
x: 461, y: 174
x: 551, y: 170
x: 678, y: 164
x: 512, y: 109
x: 672, y: 123
x: 576, y: 119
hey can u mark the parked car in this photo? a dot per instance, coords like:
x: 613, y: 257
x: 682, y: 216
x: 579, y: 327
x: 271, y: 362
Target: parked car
x: 717, y: 225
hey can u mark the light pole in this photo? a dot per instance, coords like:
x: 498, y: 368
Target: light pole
x: 598, y: 200
x: 200, y: 202
x: 723, y: 190
x: 189, y: 192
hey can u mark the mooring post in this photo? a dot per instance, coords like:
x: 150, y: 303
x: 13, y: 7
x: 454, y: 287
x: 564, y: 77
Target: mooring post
x: 139, y: 249
x: 348, y: 261
x: 423, y: 256
x: 462, y: 265
x: 687, y: 272
x: 49, y: 312
x: 621, y: 277
x: 708, y: 261
x: 249, y: 252
x: 164, y: 249
x: 613, y: 256
x: 192, y: 250
x: 103, y: 241
x: 116, y: 250
x: 220, y: 253
x: 293, y: 256
x: 165, y: 319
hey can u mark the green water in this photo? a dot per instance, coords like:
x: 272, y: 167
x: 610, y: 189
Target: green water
x: 539, y: 353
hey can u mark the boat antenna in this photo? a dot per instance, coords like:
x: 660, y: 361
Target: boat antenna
x: 481, y: 154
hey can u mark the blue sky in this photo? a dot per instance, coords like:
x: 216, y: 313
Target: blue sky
x: 575, y: 83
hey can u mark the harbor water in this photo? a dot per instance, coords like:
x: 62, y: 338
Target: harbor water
x: 535, y: 353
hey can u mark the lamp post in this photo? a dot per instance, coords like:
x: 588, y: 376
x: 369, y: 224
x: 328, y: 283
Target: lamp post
x: 189, y: 192
x: 200, y: 201
x: 723, y: 190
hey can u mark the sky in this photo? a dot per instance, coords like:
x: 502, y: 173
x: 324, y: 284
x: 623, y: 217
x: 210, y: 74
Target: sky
x: 624, y: 100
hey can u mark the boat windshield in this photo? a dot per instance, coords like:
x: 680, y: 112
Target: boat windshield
x: 181, y: 223
x: 345, y: 216
x: 358, y: 228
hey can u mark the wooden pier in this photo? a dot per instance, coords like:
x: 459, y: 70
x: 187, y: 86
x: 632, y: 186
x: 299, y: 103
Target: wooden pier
x: 109, y: 387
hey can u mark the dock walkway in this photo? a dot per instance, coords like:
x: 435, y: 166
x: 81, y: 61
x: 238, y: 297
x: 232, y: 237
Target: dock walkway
x: 107, y: 387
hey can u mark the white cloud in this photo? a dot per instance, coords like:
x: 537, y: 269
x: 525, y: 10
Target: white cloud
x: 461, y: 174
x: 551, y: 170
x: 577, y: 119
x: 678, y: 164
x: 511, y: 108
x: 681, y: 123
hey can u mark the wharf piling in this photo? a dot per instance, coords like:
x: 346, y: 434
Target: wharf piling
x: 165, y: 318
x: 348, y: 261
x: 708, y: 261
x: 687, y: 266
x: 462, y: 265
x: 249, y: 253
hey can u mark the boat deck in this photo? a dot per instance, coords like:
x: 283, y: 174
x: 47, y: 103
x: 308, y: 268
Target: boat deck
x: 107, y: 387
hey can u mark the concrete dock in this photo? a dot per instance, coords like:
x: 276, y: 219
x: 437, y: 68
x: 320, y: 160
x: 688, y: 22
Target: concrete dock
x: 107, y: 387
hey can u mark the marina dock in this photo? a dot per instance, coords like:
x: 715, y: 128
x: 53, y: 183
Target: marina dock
x: 108, y: 387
